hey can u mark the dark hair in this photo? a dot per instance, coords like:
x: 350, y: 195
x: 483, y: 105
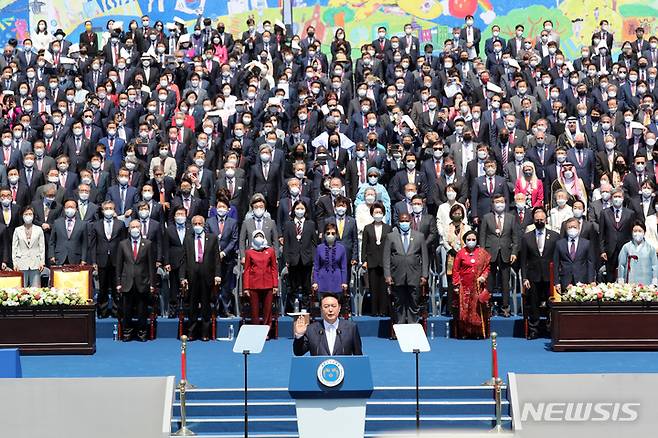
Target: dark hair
x: 330, y: 295
x: 538, y: 208
x: 330, y: 226
x: 468, y: 233
x: 377, y: 204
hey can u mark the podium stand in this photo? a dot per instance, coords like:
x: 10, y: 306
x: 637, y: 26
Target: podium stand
x: 330, y: 395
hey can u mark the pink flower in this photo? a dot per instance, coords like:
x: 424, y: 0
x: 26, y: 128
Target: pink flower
x: 599, y: 295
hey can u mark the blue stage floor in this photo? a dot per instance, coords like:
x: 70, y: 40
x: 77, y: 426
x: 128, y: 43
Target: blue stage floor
x: 451, y: 362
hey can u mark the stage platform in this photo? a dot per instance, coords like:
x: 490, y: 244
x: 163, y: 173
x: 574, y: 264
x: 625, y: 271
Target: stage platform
x: 451, y: 362
x: 368, y: 327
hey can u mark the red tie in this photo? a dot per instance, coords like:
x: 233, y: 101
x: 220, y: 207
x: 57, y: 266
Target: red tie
x: 521, y: 216
x: 134, y: 250
x: 88, y: 132
x: 437, y: 168
x: 221, y: 227
x: 491, y: 186
x: 111, y: 146
x: 13, y: 193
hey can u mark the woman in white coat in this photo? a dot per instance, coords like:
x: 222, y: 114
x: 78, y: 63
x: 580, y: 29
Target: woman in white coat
x: 28, y: 250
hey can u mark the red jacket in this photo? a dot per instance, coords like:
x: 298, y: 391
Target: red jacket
x: 260, y: 269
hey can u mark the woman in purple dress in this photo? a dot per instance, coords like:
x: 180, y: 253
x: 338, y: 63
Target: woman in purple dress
x: 330, y: 264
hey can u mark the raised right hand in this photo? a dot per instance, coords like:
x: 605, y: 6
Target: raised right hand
x: 300, y: 326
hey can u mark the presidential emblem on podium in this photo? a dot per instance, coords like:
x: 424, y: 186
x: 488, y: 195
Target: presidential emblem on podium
x: 331, y: 373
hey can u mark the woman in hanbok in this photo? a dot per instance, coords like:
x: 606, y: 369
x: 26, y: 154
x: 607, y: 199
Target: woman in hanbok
x: 638, y: 262
x: 469, y: 276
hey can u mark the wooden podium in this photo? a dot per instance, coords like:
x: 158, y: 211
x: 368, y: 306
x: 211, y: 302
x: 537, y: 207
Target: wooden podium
x: 51, y: 329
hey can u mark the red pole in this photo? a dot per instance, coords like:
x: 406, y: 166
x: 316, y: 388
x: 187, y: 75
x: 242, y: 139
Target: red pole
x: 183, y: 358
x: 494, y: 356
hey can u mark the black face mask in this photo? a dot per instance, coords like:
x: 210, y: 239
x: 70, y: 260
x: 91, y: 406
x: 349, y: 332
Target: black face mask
x: 504, y: 138
x: 448, y: 169
x: 539, y: 225
x: 372, y: 142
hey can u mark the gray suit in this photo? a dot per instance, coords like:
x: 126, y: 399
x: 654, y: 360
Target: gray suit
x: 68, y: 250
x: 406, y: 270
x: 501, y: 246
x: 248, y: 228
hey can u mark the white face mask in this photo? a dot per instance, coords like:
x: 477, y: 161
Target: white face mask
x: 638, y: 236
x: 572, y: 232
x: 499, y: 207
x: 617, y: 201
x: 470, y: 244
x: 451, y: 195
x: 561, y: 202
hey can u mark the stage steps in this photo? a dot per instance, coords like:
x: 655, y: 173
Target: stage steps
x: 390, y: 410
x: 368, y: 327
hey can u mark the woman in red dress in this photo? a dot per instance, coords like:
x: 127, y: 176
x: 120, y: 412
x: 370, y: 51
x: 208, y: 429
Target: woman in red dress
x: 260, y: 278
x: 469, y: 275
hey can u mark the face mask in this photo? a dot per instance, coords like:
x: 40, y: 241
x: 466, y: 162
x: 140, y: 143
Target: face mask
x: 405, y: 226
x: 300, y: 212
x: 568, y: 174
x: 638, y: 236
x: 180, y: 220
x: 69, y: 212
x: 617, y: 201
x: 490, y: 171
x: 572, y: 232
x: 470, y: 244
x: 134, y: 233
x: 577, y: 213
x: 53, y: 179
x: 198, y: 229
x: 123, y: 180
x: 561, y: 158
x: 259, y: 212
x: 27, y: 219
x: 639, y: 167
x: 499, y: 207
x: 451, y: 195
x: 646, y: 192
x: 373, y: 180
x: 370, y: 199
x: 410, y: 194
x: 417, y: 209
x: 482, y: 155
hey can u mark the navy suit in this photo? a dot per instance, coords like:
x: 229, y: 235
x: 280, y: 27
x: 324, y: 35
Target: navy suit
x: 482, y: 200
x: 579, y: 269
x: 114, y: 195
x: 348, y: 340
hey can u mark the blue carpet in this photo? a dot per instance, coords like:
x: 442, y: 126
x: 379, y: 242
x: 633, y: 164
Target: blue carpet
x: 451, y: 362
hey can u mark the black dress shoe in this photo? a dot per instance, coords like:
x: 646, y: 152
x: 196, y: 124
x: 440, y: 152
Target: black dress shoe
x: 506, y: 312
x: 205, y: 339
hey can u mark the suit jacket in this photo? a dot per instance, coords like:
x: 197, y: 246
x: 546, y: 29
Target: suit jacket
x: 348, y: 340
x: 62, y: 248
x: 28, y: 254
x: 138, y: 273
x: 248, y: 228
x: 612, y: 236
x: 104, y: 251
x: 300, y: 251
x: 172, y: 247
x: 482, y: 200
x: 350, y: 237
x: 228, y: 239
x: 580, y: 269
x: 405, y: 268
x: 114, y: 195
x: 535, y: 266
x: 209, y: 268
x: 371, y: 251
x: 504, y: 244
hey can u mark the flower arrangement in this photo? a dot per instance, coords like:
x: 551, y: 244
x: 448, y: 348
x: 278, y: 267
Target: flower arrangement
x: 611, y: 292
x: 40, y: 296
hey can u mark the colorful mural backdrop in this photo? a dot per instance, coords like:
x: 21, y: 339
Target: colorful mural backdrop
x: 575, y: 20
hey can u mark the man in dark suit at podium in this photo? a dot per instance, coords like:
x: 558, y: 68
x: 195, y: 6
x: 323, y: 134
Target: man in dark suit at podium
x: 330, y: 336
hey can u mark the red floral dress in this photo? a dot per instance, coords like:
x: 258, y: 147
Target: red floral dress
x: 473, y: 319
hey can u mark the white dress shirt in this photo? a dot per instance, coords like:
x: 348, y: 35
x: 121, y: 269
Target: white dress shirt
x: 330, y: 332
